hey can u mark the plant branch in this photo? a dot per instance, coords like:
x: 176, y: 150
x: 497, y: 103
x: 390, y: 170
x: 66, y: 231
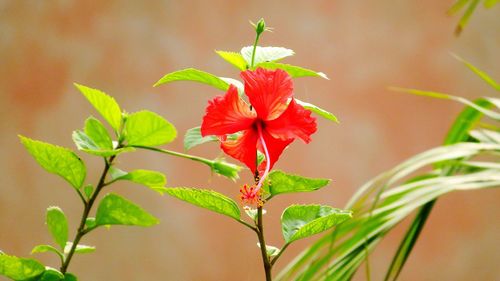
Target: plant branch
x: 273, y: 261
x: 87, y: 207
x: 178, y: 154
x: 260, y: 233
x: 248, y: 225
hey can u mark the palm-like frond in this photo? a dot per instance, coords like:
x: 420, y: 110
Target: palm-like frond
x: 411, y: 186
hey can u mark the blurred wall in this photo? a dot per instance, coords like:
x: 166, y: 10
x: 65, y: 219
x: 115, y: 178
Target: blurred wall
x: 123, y: 47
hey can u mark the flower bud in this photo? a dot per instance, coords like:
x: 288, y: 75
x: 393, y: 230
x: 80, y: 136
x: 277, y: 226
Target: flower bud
x: 260, y: 26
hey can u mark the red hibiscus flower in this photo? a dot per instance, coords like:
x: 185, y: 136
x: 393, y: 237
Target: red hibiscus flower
x: 268, y: 124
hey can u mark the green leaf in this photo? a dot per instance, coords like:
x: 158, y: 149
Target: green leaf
x: 459, y: 4
x: 114, y: 209
x: 226, y: 169
x: 292, y: 70
x: 152, y: 179
x: 96, y: 131
x: 58, y: 225
x: 320, y: 111
x: 57, y: 160
x: 19, y: 268
x: 90, y: 223
x: 148, y: 129
x: 207, y: 199
x: 193, y: 138
x: 466, y: 16
x: 191, y: 74
x: 88, y: 190
x: 84, y: 143
x: 47, y: 248
x: 234, y: 59
x: 485, y: 111
x: 488, y: 4
x: 265, y: 54
x: 271, y: 250
x: 51, y: 274
x: 70, y: 277
x: 278, y: 182
x: 252, y: 213
x: 80, y: 249
x: 301, y: 221
x: 104, y: 104
x: 483, y: 75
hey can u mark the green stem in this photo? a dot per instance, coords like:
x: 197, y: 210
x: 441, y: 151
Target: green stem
x: 260, y: 233
x: 88, y: 206
x: 254, y: 50
x: 178, y: 154
x: 273, y: 261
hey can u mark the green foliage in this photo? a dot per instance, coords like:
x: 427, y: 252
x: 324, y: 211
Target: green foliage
x: 265, y: 54
x: 70, y: 277
x: 57, y: 160
x: 318, y: 110
x: 58, y: 225
x: 271, y: 251
x: 481, y: 74
x: 471, y: 7
x: 19, y: 268
x: 193, y: 138
x: 80, y: 249
x: 233, y: 58
x: 96, y: 131
x: 152, y: 179
x: 51, y: 274
x: 226, y: 169
x: 84, y: 143
x: 292, y: 70
x: 148, y: 129
x: 191, y: 74
x: 47, y: 248
x: 207, y: 199
x: 279, y: 182
x: 301, y: 221
x: 104, y: 104
x: 116, y: 210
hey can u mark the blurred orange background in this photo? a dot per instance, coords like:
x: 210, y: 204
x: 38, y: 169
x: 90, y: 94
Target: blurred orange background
x: 123, y: 47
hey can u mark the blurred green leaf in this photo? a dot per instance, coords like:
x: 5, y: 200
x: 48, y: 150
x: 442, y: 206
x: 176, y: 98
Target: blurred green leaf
x: 58, y: 225
x: 490, y: 3
x: 301, y: 221
x: 70, y: 277
x: 47, y: 248
x: 191, y: 74
x: 265, y: 54
x: 96, y: 131
x: 193, y: 138
x: 80, y: 249
x: 292, y: 70
x: 321, y: 112
x: 84, y: 143
x: 207, y: 199
x: 233, y: 58
x: 117, y: 210
x: 271, y: 251
x: 152, y: 179
x: 279, y: 182
x: 459, y: 4
x: 483, y: 110
x: 104, y: 104
x: 88, y: 190
x: 226, y: 169
x: 19, y: 268
x: 483, y: 75
x: 51, y: 274
x: 57, y: 160
x: 149, y: 129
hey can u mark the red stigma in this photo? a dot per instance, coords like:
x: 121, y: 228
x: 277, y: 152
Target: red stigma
x: 251, y: 195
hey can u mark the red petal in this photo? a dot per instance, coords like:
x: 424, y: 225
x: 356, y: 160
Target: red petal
x: 274, y: 146
x: 244, y: 148
x: 268, y: 91
x: 294, y: 122
x: 227, y: 114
